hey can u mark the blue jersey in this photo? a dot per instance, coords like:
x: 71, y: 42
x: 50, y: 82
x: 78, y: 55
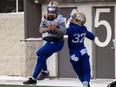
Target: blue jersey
x: 76, y: 35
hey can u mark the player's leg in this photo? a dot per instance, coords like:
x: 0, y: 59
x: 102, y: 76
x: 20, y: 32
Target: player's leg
x: 86, y: 70
x: 41, y: 62
x: 48, y: 50
x: 43, y: 54
x: 44, y: 72
x: 77, y: 68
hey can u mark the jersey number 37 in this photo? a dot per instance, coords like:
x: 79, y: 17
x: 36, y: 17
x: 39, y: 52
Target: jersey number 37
x: 78, y: 38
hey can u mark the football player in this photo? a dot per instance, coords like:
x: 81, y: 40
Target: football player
x: 79, y: 57
x: 54, y: 25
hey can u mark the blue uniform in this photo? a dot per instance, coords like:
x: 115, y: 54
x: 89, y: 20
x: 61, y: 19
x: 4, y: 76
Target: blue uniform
x: 79, y: 57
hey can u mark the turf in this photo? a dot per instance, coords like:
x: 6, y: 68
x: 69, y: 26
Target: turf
x: 26, y: 86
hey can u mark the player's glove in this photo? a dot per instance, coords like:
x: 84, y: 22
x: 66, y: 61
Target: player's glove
x: 112, y: 84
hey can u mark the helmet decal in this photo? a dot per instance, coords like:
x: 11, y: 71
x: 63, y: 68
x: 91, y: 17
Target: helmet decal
x: 81, y: 18
x: 52, y: 3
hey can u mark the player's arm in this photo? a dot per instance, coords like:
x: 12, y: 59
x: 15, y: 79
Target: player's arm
x: 90, y: 35
x: 61, y: 29
x: 68, y: 30
x: 43, y: 28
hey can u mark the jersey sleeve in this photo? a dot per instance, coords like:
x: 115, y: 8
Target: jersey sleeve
x: 90, y: 35
x: 42, y: 19
x: 68, y: 30
x: 61, y: 19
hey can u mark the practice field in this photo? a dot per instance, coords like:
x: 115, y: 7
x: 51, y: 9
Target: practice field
x: 27, y: 86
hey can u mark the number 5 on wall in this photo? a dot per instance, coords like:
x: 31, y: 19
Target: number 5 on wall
x: 104, y: 23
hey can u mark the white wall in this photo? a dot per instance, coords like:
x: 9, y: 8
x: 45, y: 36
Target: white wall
x: 11, y: 32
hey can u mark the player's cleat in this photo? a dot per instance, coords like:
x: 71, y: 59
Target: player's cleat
x: 43, y: 75
x: 30, y: 82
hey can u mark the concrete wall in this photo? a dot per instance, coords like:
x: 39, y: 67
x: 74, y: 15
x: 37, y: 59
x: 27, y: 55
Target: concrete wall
x: 17, y: 55
x: 28, y: 55
x: 11, y: 32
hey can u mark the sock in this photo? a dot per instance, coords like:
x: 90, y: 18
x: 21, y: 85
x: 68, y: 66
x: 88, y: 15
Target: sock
x: 86, y: 84
x: 33, y: 78
x: 45, y: 71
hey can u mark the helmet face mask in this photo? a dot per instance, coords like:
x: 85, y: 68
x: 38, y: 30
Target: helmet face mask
x: 72, y: 17
x: 52, y: 9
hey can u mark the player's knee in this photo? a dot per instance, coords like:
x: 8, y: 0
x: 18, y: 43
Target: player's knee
x: 85, y: 56
x: 41, y: 59
x: 39, y: 53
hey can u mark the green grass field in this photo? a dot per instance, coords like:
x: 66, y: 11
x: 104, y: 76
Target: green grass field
x: 26, y: 86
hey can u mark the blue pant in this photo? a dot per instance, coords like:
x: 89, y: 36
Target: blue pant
x: 43, y: 53
x: 82, y: 68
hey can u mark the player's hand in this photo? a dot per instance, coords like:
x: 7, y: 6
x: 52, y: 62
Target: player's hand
x: 52, y: 27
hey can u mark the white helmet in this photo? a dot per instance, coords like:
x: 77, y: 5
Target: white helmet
x: 53, y: 6
x: 78, y: 18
